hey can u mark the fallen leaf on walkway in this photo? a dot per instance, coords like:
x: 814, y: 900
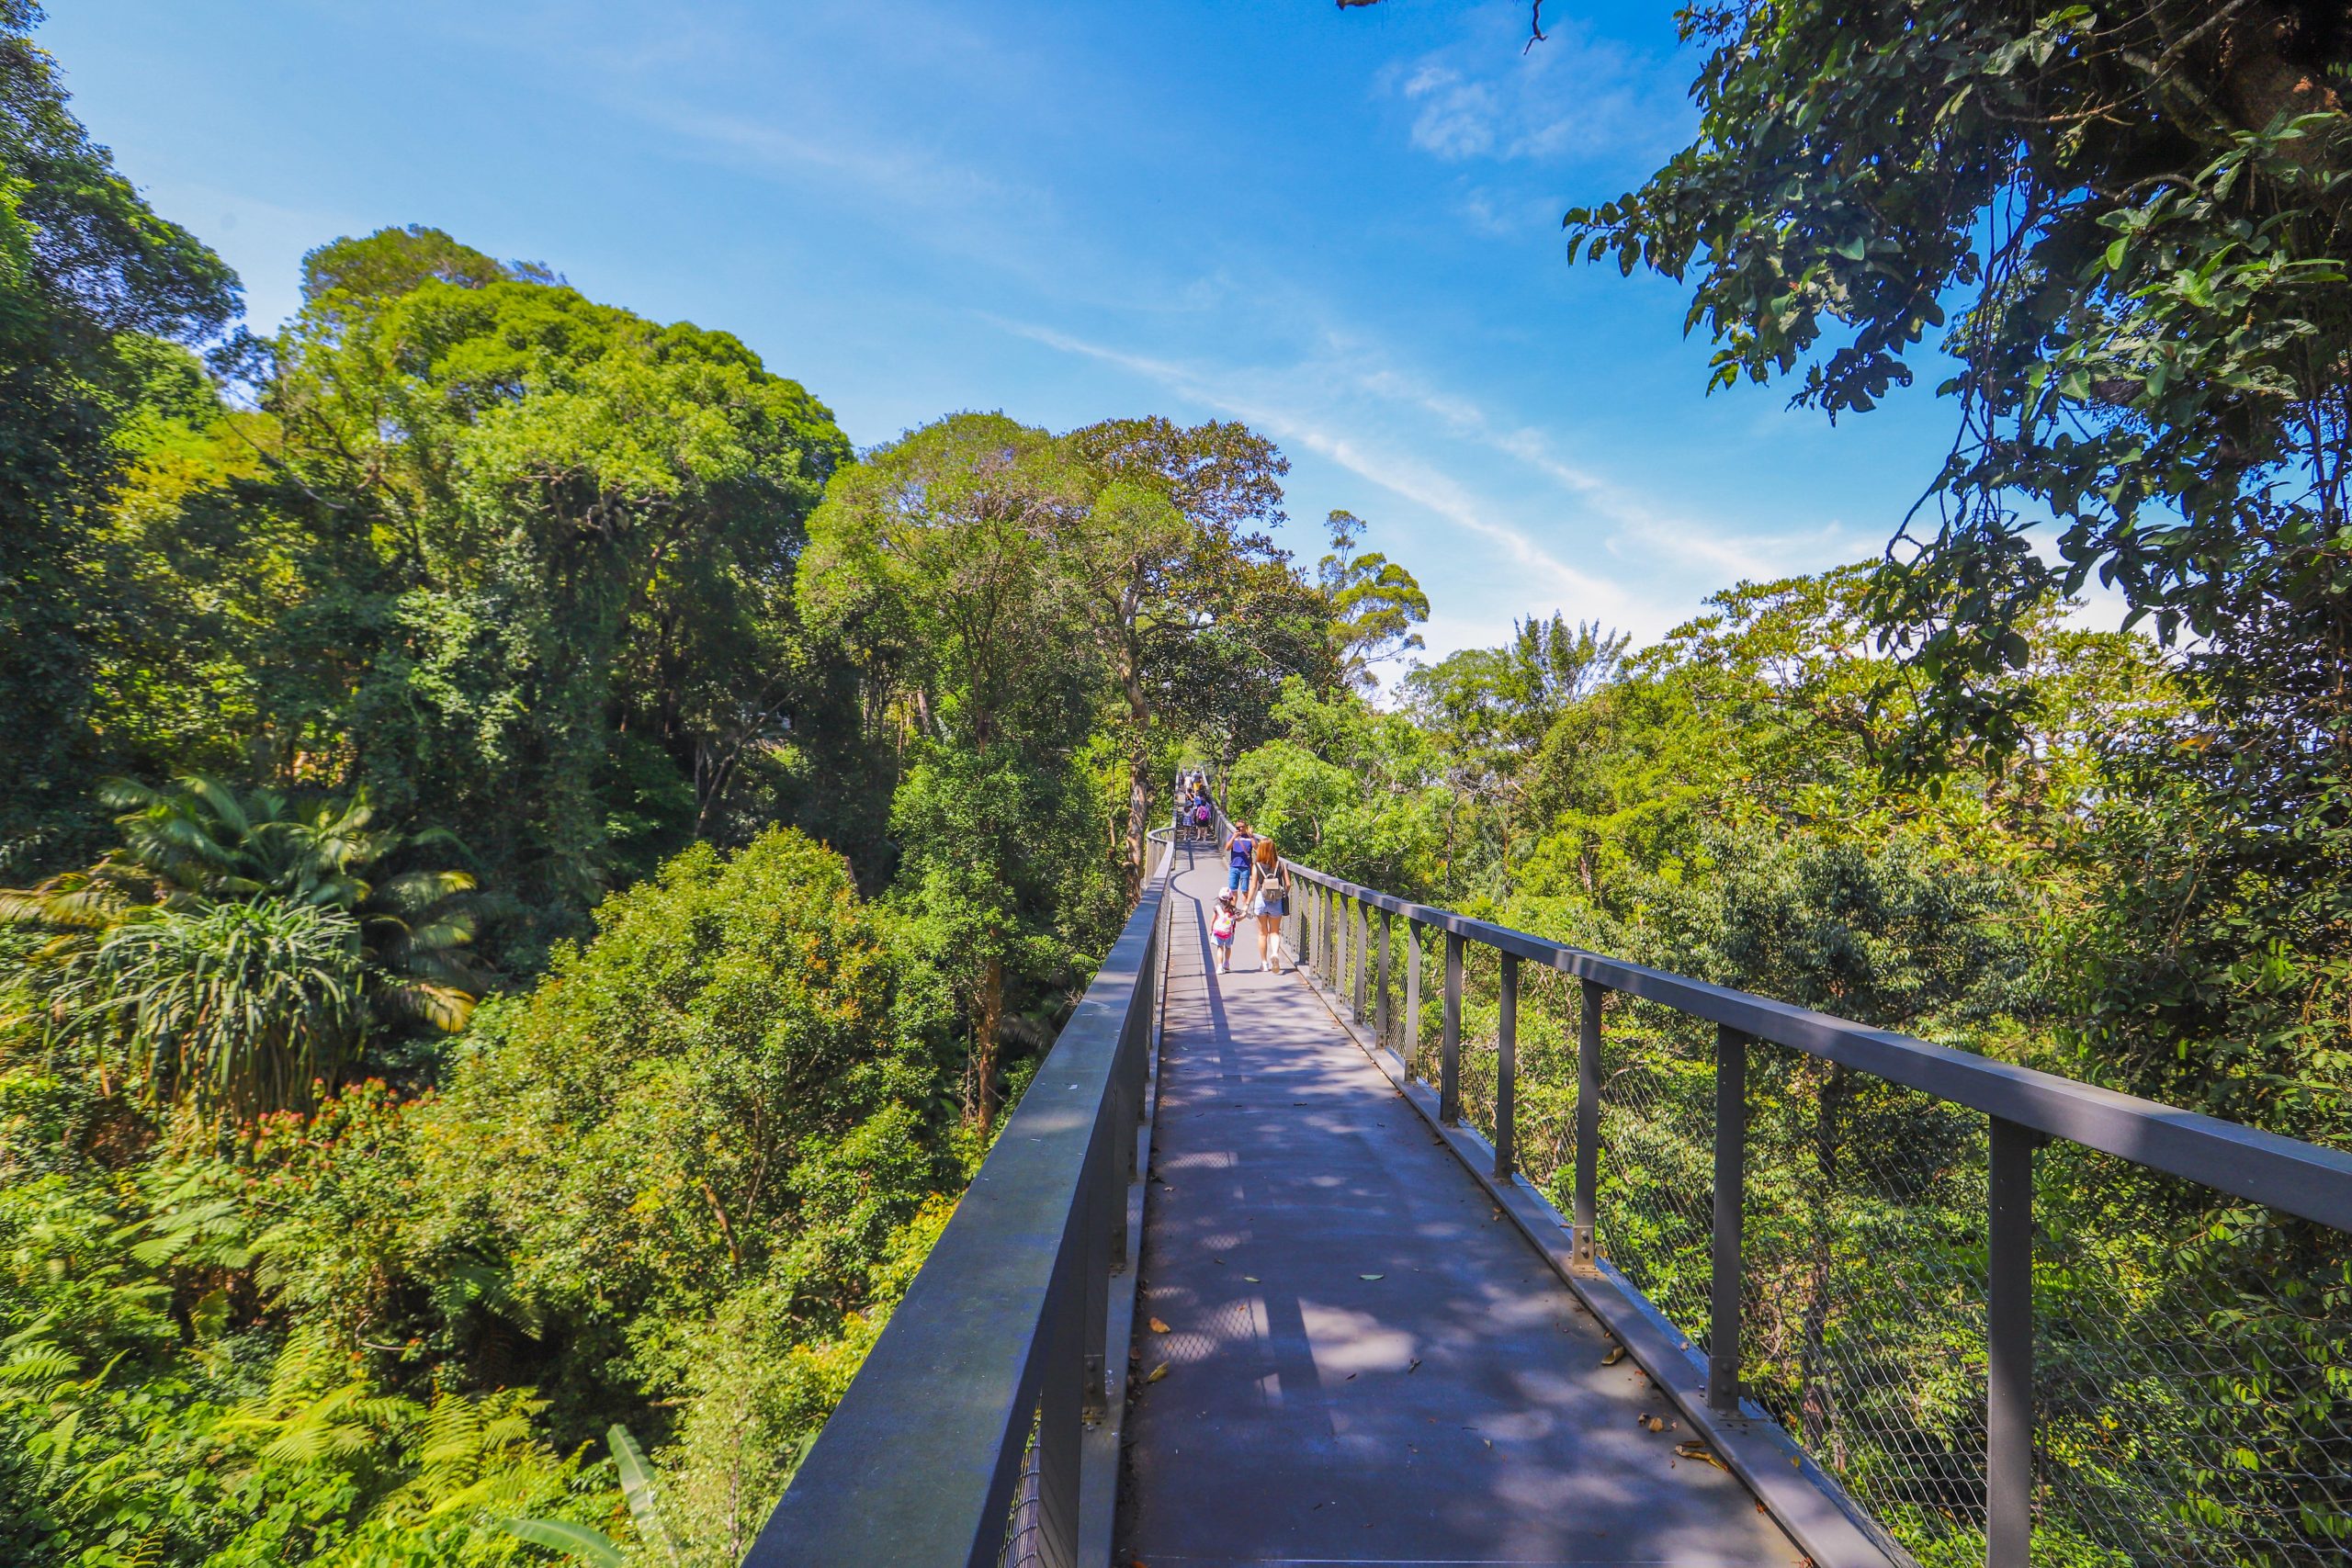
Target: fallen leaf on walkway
x: 1699, y: 1450
x: 1488, y: 1442
x: 1616, y: 1354
x: 1349, y: 1377
x: 1157, y: 1372
x: 1157, y: 1327
x: 1372, y: 1276
x: 1413, y: 1364
x: 1652, y: 1422
x: 1251, y: 1278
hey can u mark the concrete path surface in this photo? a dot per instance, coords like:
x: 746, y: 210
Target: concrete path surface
x: 1365, y: 1364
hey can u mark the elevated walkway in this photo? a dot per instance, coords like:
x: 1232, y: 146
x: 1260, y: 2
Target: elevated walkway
x: 1236, y: 1285
x: 1365, y: 1362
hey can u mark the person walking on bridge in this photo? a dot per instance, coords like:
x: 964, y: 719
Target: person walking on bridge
x: 1237, y: 847
x: 1270, y: 901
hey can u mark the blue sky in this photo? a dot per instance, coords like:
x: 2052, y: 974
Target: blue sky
x: 1341, y: 226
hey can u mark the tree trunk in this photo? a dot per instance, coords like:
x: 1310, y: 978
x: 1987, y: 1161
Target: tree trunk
x: 1138, y: 770
x: 979, y: 1067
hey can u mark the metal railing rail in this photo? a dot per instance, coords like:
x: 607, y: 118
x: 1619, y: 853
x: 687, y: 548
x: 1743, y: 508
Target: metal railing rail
x: 1007, y: 1356
x: 1347, y: 935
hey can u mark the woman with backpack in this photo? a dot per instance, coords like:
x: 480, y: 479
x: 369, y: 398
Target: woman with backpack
x: 1268, y: 900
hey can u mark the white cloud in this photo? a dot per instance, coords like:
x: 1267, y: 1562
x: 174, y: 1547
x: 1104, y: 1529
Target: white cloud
x: 1458, y: 119
x: 1572, y: 96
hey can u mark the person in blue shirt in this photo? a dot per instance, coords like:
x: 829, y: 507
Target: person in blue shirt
x: 1238, y: 848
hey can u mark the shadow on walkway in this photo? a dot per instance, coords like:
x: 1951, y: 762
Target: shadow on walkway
x: 1365, y: 1363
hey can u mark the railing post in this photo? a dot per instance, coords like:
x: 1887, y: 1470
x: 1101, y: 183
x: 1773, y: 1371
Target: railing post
x: 1412, y: 995
x: 2009, y: 1343
x: 1586, y: 1208
x: 1058, y: 1420
x: 1334, y: 938
x: 1449, y: 1049
x: 1361, y: 936
x: 1507, y: 1073
x: 1339, y: 940
x: 1731, y: 1213
x: 1095, y: 1205
x: 1327, y: 954
x: 1380, y: 1003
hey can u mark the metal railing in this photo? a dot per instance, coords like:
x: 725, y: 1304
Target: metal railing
x: 1931, y: 1306
x: 983, y: 1426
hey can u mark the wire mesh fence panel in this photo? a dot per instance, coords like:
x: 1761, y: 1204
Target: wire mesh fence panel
x: 2193, y: 1373
x: 1481, y: 1007
x: 1381, y: 1004
x: 1428, y: 1024
x: 1024, y: 1529
x: 1863, y: 1308
x: 1657, y: 1155
x: 1549, y: 1005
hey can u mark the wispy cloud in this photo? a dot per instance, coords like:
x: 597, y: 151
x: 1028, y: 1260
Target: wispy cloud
x: 1346, y: 405
x: 1573, y: 96
x: 901, y: 176
x: 1644, y: 522
x: 1265, y: 399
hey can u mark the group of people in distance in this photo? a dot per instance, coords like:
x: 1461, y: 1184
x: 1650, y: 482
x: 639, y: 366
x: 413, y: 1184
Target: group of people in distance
x: 1257, y: 880
x: 1194, y: 812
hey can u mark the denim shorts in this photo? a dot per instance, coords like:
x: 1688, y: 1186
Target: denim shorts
x: 1236, y: 878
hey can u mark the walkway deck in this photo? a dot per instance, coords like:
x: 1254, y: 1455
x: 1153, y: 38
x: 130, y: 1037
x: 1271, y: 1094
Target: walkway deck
x: 1365, y: 1363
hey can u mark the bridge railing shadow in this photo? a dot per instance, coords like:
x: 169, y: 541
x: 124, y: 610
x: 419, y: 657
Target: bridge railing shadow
x: 1983, y: 1313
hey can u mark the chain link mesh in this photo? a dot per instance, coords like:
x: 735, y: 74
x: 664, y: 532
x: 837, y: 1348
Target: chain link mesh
x: 1862, y: 1309
x: 2193, y: 1373
x: 1024, y: 1533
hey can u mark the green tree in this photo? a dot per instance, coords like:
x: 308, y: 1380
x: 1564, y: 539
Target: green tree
x: 935, y: 558
x: 1375, y: 603
x: 1349, y: 789
x: 739, y: 1082
x: 546, y: 556
x: 2139, y: 214
x: 1171, y: 575
x: 90, y: 280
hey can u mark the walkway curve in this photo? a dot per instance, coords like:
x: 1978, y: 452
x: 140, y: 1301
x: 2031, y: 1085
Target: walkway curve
x: 1364, y: 1362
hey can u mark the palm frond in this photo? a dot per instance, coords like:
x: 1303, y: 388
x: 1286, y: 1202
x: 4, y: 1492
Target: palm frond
x: 445, y: 1008
x: 413, y: 892
x: 576, y: 1541
x: 637, y: 1486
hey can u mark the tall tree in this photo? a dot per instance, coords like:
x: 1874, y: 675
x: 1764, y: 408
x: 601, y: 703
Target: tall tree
x: 1375, y: 603
x: 548, y: 551
x: 2142, y: 212
x: 936, y: 561
x: 1169, y: 562
x: 90, y: 278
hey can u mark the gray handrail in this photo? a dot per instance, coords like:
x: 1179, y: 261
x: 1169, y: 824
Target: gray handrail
x: 1002, y: 1333
x: 2024, y: 1106
x: 2283, y: 1173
